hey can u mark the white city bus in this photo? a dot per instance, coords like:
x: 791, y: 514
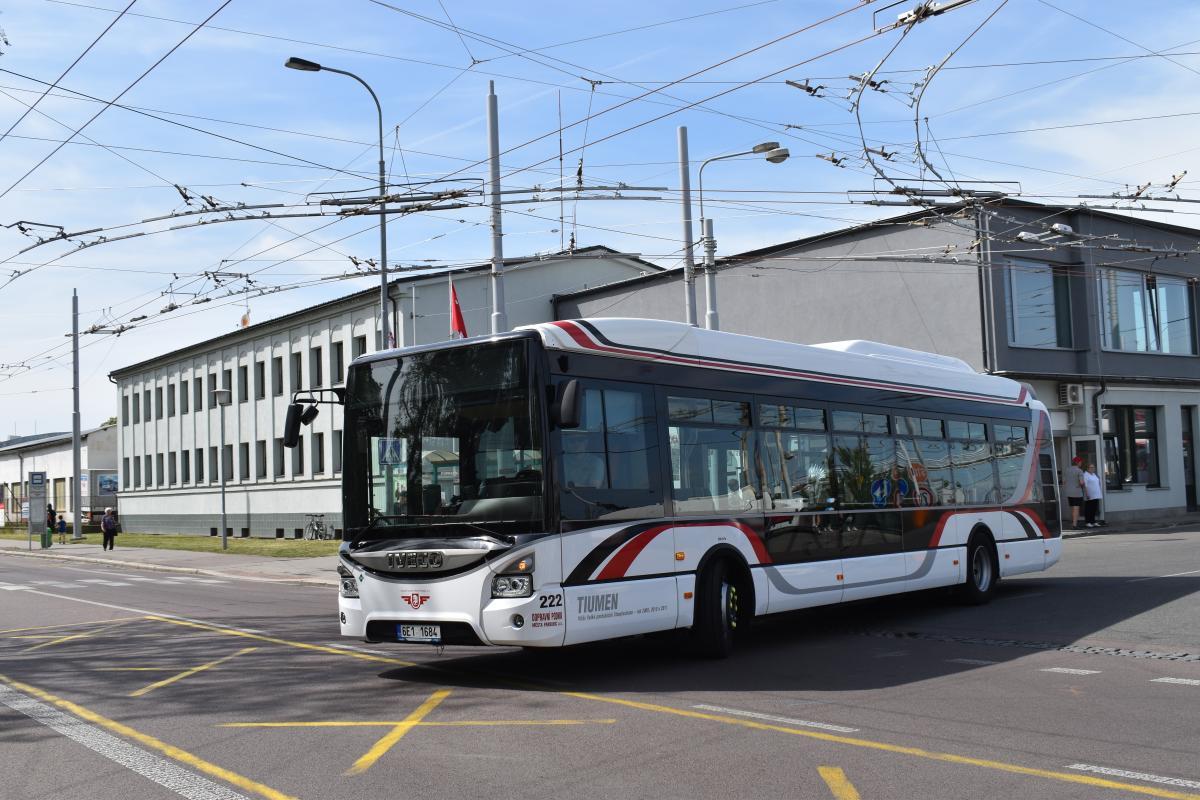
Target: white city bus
x: 590, y: 479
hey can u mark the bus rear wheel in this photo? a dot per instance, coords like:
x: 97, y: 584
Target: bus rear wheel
x: 718, y: 611
x: 983, y: 573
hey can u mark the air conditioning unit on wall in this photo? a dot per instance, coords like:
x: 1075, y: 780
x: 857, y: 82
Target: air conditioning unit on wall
x: 1070, y: 394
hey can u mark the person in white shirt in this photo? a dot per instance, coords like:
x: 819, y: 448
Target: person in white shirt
x: 1092, y: 493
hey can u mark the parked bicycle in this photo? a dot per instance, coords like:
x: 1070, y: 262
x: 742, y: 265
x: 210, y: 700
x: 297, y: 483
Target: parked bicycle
x: 315, y: 528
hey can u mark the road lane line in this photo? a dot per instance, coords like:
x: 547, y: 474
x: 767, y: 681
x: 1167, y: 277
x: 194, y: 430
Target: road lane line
x: 1070, y: 671
x: 397, y: 733
x: 140, y: 757
x: 67, y: 625
x: 1181, y: 681
x: 1160, y: 577
x: 772, y: 718
x: 1138, y: 776
x: 838, y: 783
x: 465, y: 723
x: 71, y: 638
x: 932, y: 755
x: 977, y: 662
x: 187, y: 673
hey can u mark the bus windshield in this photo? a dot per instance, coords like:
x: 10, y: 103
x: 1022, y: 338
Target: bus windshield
x: 444, y: 439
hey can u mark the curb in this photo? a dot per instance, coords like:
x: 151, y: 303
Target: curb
x: 1105, y: 530
x: 167, y: 568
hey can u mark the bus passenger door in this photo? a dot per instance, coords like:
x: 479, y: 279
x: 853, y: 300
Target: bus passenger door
x: 617, y: 566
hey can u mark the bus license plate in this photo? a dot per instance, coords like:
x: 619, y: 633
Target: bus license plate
x: 419, y: 633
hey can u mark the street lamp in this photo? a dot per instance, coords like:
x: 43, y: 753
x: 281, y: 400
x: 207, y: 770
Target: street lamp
x: 305, y: 65
x: 222, y: 397
x: 774, y: 154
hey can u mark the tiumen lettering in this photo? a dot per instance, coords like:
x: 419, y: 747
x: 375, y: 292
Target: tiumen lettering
x: 591, y: 603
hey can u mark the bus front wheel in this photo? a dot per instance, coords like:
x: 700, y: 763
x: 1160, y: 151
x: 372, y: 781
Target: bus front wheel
x: 983, y: 572
x: 718, y: 611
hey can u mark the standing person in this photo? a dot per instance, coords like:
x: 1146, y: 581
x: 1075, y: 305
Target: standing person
x: 50, y: 519
x: 108, y: 526
x: 62, y: 529
x: 1092, y: 494
x: 1073, y: 489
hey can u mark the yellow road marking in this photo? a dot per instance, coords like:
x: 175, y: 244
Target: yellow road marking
x: 168, y: 750
x: 68, y: 625
x: 72, y: 637
x: 933, y: 755
x: 837, y: 782
x: 1001, y: 766
x: 273, y: 640
x: 34, y: 636
x: 134, y: 669
x: 389, y: 724
x: 187, y: 673
x: 397, y: 733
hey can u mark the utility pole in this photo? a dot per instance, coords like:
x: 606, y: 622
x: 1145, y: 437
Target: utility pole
x: 689, y: 260
x: 711, y: 320
x: 76, y: 490
x: 499, y: 315
x: 223, y: 397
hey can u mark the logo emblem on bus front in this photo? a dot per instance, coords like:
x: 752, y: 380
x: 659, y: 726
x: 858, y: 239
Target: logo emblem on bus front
x: 416, y: 599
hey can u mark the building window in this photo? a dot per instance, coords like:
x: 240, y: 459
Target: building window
x: 149, y: 472
x: 297, y: 376
x: 185, y: 466
x: 183, y: 397
x: 146, y: 406
x: 199, y: 465
x: 124, y: 410
x: 1146, y: 313
x: 318, y: 453
x: 1130, y: 446
x: 158, y: 402
x: 260, y: 456
x: 315, y: 368
x: 170, y: 399
x: 298, y: 459
x: 124, y: 473
x: 198, y: 393
x: 337, y: 452
x: 1039, y: 305
x: 137, y: 407
x: 159, y: 472
x: 338, y: 367
x: 358, y: 346
x: 212, y: 388
x: 227, y: 381
x: 279, y: 461
x: 172, y: 473
x: 277, y: 375
x: 244, y: 461
x: 214, y: 470
x: 227, y: 461
x: 243, y: 383
x: 137, y: 472
x: 260, y: 380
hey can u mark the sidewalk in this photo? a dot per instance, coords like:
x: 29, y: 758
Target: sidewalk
x: 1149, y: 524
x: 317, y: 571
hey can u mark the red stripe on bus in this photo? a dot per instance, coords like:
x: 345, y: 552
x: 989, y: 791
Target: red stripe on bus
x: 581, y: 338
x: 619, y: 564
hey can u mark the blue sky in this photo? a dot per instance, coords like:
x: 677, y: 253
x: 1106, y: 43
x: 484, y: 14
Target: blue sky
x: 227, y: 79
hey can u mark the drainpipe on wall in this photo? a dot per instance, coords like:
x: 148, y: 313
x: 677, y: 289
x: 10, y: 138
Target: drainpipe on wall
x: 1096, y: 406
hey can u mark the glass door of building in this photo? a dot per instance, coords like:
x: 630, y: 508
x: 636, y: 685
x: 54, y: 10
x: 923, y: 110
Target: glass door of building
x: 1189, y: 458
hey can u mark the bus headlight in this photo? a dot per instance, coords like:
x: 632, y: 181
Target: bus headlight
x: 512, y: 586
x: 348, y: 585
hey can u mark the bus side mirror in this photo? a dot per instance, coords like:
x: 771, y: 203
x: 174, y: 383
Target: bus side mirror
x: 568, y: 404
x: 291, y: 425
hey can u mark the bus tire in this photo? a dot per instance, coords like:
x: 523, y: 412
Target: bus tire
x: 983, y: 570
x: 718, y: 611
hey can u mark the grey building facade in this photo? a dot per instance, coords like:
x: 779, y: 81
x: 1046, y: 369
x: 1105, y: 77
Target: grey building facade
x: 1095, y: 310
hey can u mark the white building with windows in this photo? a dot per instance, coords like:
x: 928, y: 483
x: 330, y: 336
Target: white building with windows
x: 51, y: 453
x: 171, y: 455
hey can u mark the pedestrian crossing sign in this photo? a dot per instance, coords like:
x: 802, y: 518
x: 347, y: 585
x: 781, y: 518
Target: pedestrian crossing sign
x: 391, y: 452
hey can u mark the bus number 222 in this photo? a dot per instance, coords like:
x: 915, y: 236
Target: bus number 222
x: 550, y: 600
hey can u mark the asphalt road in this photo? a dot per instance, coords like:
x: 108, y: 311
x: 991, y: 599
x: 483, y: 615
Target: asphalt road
x: 1082, y: 682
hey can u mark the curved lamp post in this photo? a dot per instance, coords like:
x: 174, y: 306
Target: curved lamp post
x: 385, y: 329
x: 774, y: 154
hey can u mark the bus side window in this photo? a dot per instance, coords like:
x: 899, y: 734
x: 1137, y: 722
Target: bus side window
x: 609, y: 463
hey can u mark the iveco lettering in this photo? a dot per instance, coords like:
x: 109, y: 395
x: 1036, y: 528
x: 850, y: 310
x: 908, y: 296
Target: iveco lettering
x: 646, y: 475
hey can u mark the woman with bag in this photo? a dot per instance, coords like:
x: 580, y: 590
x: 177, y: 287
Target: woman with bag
x: 108, y: 526
x: 1092, y: 493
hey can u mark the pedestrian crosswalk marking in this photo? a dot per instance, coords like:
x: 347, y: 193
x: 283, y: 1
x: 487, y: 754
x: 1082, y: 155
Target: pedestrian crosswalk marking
x: 92, y: 583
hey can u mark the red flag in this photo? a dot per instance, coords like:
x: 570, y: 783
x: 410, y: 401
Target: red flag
x: 458, y: 328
